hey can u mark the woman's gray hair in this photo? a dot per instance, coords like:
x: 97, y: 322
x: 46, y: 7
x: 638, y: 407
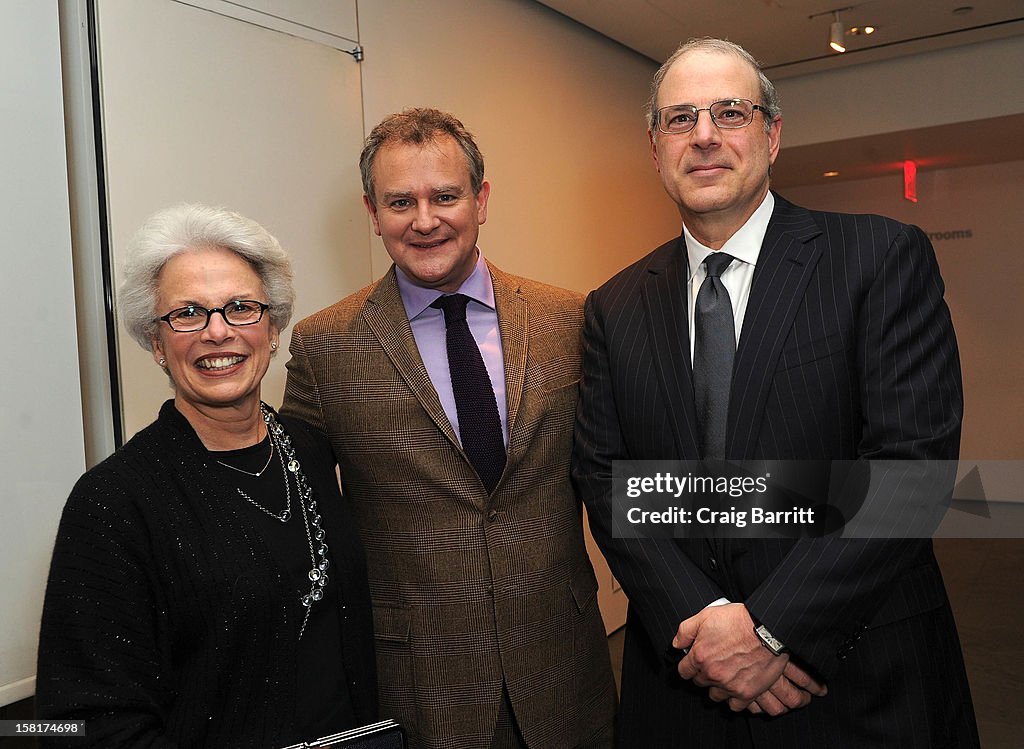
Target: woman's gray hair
x: 192, y: 226
x: 769, y: 96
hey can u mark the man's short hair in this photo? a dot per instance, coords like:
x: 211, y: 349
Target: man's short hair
x: 769, y: 96
x: 420, y: 126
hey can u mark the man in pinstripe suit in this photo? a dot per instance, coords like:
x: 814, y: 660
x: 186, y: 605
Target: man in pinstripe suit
x: 845, y: 351
x: 484, y: 600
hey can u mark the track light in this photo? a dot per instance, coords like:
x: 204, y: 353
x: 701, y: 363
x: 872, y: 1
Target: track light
x: 836, y: 35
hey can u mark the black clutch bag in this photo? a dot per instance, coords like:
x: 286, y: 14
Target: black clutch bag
x: 386, y: 734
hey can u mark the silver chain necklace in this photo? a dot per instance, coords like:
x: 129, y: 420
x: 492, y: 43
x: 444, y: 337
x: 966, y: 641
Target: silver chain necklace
x: 250, y: 473
x: 286, y: 514
x: 316, y: 536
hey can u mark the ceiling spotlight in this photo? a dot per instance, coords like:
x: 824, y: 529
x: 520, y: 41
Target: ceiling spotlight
x: 836, y: 35
x: 858, y: 30
x: 830, y: 173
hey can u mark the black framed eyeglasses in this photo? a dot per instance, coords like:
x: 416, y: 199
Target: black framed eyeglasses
x: 728, y: 114
x: 193, y: 318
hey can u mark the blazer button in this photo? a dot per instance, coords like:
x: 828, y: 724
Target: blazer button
x: 713, y: 564
x: 492, y: 515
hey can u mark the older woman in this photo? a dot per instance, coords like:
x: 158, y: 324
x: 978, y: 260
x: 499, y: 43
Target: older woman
x: 208, y: 588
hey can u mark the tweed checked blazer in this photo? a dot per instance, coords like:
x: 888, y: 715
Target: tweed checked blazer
x: 469, y: 590
x: 847, y: 351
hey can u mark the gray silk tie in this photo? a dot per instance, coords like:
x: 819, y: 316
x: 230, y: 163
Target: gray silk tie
x: 714, y: 348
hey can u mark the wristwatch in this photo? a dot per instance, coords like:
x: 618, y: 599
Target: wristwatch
x: 768, y: 639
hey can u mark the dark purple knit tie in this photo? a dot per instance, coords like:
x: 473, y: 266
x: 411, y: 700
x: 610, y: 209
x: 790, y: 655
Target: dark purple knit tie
x: 477, y: 408
x: 714, y: 347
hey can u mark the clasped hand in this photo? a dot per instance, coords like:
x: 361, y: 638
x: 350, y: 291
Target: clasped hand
x: 726, y: 656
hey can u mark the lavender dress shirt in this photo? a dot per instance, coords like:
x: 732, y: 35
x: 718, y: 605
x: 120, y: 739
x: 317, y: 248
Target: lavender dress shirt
x: 429, y: 331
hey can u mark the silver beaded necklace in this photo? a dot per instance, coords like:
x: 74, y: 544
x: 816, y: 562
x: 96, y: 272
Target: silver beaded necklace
x: 316, y: 536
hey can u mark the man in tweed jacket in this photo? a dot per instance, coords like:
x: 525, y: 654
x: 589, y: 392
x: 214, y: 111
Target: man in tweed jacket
x: 484, y: 601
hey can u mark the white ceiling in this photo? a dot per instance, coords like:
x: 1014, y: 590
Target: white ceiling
x: 788, y: 41
x: 782, y: 34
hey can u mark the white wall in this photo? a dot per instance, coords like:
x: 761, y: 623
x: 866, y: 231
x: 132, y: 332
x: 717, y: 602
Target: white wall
x: 557, y: 112
x: 41, y: 442
x: 983, y: 274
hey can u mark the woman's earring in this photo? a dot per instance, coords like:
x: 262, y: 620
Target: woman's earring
x: 273, y: 346
x: 163, y: 361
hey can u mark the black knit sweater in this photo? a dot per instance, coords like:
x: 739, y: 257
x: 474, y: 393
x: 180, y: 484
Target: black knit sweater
x: 167, y: 621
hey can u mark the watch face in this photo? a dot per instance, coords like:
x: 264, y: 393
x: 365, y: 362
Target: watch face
x: 768, y: 640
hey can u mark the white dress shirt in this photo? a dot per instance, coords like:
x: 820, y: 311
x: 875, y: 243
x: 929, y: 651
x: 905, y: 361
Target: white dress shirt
x: 745, y: 246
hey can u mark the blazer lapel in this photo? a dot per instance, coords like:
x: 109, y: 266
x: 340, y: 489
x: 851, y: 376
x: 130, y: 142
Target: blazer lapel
x: 513, y: 322
x: 664, y: 294
x: 784, y: 268
x: 385, y: 315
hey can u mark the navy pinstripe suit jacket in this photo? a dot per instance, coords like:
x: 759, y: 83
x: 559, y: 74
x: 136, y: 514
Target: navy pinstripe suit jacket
x: 847, y: 351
